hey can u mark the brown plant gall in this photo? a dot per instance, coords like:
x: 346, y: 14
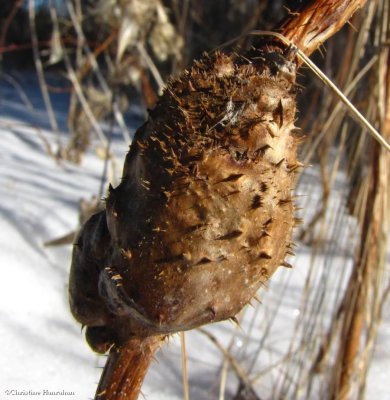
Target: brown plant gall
x: 203, y: 215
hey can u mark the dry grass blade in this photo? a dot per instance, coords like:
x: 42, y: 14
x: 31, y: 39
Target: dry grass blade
x: 237, y: 368
x: 186, y: 389
x: 312, y: 147
x: 354, y: 111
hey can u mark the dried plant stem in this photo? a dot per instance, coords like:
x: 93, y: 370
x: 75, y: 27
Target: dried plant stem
x: 153, y: 69
x: 336, y: 111
x: 354, y: 111
x: 236, y: 367
x: 17, y: 86
x: 40, y: 73
x: 84, y: 102
x: 186, y: 391
x: 78, y: 88
x: 370, y: 263
x: 361, y: 280
x: 306, y: 33
x: 223, y: 379
x: 92, y: 62
x: 126, y: 368
x: 318, y: 22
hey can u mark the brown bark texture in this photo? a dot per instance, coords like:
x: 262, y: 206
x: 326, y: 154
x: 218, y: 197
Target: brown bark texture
x: 318, y: 22
x: 126, y: 368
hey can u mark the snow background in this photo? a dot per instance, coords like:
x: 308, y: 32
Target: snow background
x: 42, y: 346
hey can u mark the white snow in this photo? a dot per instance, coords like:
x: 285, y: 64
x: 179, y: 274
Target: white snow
x: 43, y: 347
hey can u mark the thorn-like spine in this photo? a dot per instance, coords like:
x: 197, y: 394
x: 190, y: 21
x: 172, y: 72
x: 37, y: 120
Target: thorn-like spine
x: 286, y: 264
